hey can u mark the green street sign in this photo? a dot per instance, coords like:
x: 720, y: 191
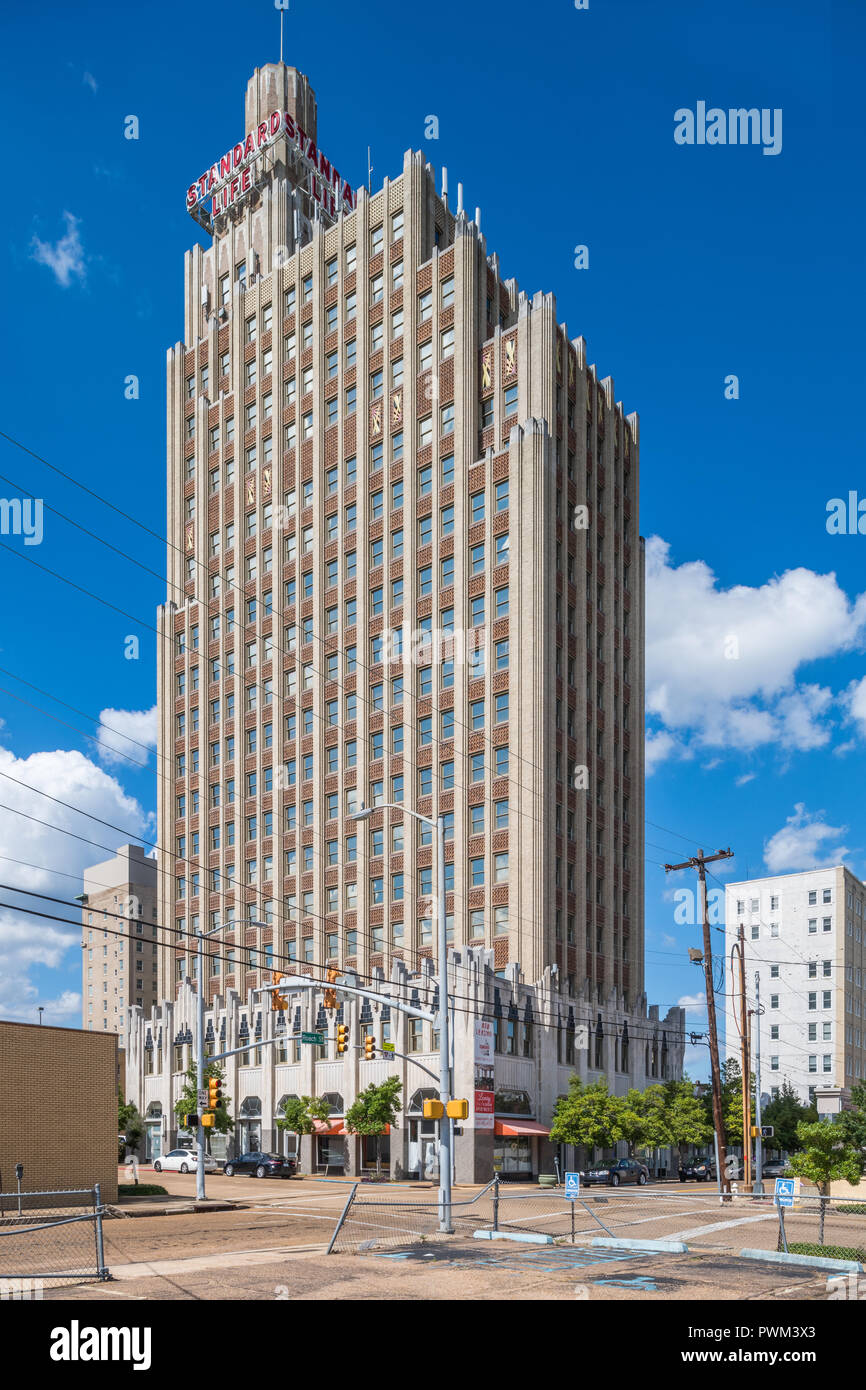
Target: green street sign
x: 317, y: 1038
x: 388, y: 1047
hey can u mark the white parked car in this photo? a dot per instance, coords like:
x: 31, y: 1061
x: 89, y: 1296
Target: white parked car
x: 183, y: 1161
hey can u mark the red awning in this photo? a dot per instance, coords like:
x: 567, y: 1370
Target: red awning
x: 328, y: 1127
x: 519, y: 1127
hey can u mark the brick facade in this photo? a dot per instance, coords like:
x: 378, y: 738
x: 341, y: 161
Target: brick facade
x: 58, y: 1100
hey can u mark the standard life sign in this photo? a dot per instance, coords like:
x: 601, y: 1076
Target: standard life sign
x: 232, y: 176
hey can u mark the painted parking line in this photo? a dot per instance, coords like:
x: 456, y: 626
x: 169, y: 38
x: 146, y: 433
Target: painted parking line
x: 723, y: 1226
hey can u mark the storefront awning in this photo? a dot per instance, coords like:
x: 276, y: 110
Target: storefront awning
x: 328, y: 1127
x: 519, y: 1127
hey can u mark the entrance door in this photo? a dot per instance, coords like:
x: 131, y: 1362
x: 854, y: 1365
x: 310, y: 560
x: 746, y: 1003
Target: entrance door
x: 154, y: 1142
x: 422, y: 1155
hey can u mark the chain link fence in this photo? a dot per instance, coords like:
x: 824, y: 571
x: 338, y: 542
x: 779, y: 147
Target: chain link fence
x: 367, y: 1221
x: 52, y: 1235
x: 834, y: 1227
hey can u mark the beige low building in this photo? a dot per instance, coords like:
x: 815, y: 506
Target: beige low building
x: 58, y: 1102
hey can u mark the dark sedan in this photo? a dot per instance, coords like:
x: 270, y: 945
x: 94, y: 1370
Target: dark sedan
x: 263, y: 1165
x: 622, y: 1170
x: 698, y: 1170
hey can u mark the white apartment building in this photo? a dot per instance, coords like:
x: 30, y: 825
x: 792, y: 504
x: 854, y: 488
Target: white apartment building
x: 804, y: 938
x: 118, y: 957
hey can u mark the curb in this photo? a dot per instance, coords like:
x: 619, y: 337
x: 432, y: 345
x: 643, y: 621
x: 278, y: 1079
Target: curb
x: 119, y: 1210
x: 526, y: 1237
x: 670, y: 1247
x: 809, y: 1261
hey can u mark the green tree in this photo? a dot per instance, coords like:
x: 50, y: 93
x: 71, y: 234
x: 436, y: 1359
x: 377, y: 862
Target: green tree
x: 130, y: 1125
x: 373, y: 1109
x: 785, y: 1113
x: 826, y: 1155
x: 300, y: 1114
x: 683, y: 1119
x: 587, y: 1115
x: 187, y: 1101
x: 853, y: 1121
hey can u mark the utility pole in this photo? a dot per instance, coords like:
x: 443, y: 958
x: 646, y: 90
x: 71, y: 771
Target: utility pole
x: 739, y: 949
x: 699, y: 862
x: 758, y: 1185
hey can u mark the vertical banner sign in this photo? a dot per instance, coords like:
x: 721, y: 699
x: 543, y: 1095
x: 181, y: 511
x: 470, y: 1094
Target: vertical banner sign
x: 484, y: 1084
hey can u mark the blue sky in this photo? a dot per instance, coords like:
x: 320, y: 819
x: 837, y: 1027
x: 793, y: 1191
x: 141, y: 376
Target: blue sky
x: 703, y: 262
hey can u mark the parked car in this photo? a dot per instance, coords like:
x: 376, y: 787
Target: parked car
x: 774, y: 1168
x: 698, y: 1169
x: 704, y: 1170
x: 263, y: 1165
x: 183, y: 1161
x: 621, y: 1170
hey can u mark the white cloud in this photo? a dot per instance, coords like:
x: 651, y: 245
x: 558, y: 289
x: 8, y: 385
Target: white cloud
x: 64, y: 257
x: 122, y: 732
x: 659, y: 745
x: 804, y: 842
x: 693, y: 1003
x: 722, y: 664
x: 90, y: 81
x: 746, y: 777
x: 29, y: 943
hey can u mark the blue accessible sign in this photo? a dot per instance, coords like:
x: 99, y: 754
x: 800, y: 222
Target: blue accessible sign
x: 572, y: 1186
x: 783, y: 1195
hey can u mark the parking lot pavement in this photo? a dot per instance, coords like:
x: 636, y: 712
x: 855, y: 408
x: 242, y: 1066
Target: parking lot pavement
x: 500, y: 1271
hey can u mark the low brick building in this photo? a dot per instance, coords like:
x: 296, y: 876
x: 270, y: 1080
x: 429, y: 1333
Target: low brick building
x: 58, y: 1100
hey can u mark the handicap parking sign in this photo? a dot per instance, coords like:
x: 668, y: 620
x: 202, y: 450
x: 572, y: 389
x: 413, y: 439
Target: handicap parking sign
x: 783, y: 1196
x: 572, y: 1186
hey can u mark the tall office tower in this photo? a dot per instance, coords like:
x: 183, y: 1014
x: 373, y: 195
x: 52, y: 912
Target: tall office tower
x: 404, y: 567
x: 803, y: 936
x: 119, y: 940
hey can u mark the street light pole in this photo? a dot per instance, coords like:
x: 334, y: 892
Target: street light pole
x: 445, y: 1124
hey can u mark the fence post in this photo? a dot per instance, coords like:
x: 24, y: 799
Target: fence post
x: 101, y: 1271
x: 344, y: 1213
x: 496, y: 1201
x: 783, y: 1239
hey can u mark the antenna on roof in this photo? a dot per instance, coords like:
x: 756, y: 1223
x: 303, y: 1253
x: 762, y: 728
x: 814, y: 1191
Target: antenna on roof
x: 369, y: 172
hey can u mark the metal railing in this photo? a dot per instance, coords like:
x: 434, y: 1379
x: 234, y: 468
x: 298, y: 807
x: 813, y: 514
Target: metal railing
x: 52, y: 1235
x: 369, y: 1221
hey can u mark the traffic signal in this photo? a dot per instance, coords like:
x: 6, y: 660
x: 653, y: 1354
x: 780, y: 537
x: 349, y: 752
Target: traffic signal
x: 278, y: 1001
x: 342, y: 1038
x: 433, y: 1110
x: 190, y: 1121
x: 369, y: 1048
x: 208, y: 1119
x: 457, y: 1109
x: 330, y: 999
x: 214, y: 1092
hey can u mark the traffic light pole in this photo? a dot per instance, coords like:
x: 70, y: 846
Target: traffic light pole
x: 446, y: 1145
x: 199, y: 1166
x: 445, y: 1124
